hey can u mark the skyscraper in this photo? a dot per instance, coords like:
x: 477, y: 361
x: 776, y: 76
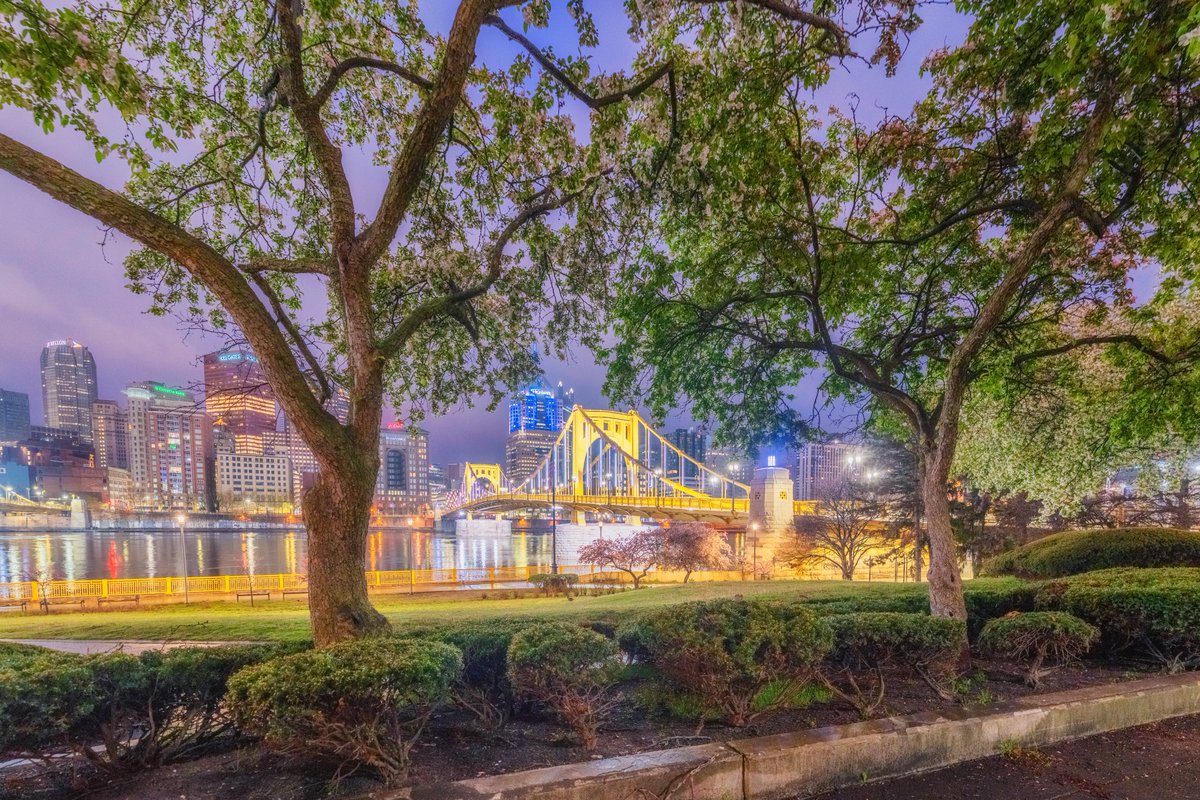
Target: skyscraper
x: 535, y: 417
x: 68, y: 386
x: 402, y: 486
x: 168, y: 445
x: 237, y: 395
x: 693, y: 443
x: 823, y: 468
x: 110, y: 434
x: 14, y: 416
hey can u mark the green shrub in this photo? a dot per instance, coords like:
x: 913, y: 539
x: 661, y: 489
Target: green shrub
x: 569, y: 668
x: 551, y: 583
x: 1075, y: 552
x: 1153, y: 611
x: 604, y: 627
x: 44, y: 697
x: 633, y: 637
x: 362, y: 702
x: 1038, y: 640
x: 144, y: 711
x: 726, y: 652
x: 483, y: 688
x: 186, y: 698
x: 898, y: 603
x: 866, y: 645
x: 989, y: 598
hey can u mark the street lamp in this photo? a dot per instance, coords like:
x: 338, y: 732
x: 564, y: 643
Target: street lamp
x: 182, y: 520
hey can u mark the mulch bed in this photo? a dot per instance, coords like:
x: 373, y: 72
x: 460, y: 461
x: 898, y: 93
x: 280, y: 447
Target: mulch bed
x: 453, y: 749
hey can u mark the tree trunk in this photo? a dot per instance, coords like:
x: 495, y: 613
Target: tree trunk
x: 1183, y: 511
x: 337, y: 511
x: 847, y: 571
x: 945, y: 580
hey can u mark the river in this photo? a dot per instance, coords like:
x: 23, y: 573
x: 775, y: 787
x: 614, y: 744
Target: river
x: 77, y: 555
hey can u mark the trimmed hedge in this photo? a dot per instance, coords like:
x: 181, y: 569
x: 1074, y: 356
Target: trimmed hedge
x: 571, y: 669
x: 483, y: 687
x: 1036, y: 638
x: 362, y: 702
x: 1076, y: 552
x: 739, y: 657
x: 989, y: 598
x: 866, y: 645
x: 986, y: 598
x: 146, y: 710
x: 1152, y: 611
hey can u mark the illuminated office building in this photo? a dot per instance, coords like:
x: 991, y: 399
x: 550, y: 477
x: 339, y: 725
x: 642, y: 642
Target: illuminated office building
x: 110, y: 435
x: 14, y: 416
x: 402, y: 486
x: 68, y: 386
x: 535, y: 417
x: 822, y: 469
x: 169, y: 437
x: 236, y: 395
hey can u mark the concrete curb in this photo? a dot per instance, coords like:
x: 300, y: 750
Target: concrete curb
x: 800, y: 764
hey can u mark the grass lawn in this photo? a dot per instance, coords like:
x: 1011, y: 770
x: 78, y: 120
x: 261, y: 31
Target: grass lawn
x: 283, y: 620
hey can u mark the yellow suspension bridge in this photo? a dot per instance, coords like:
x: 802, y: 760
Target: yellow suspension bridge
x: 608, y: 462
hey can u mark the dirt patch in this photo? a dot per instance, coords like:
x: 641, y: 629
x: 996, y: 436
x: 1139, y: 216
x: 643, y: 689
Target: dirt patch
x: 453, y: 748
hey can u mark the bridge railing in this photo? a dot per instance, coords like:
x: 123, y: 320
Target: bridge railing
x: 611, y: 500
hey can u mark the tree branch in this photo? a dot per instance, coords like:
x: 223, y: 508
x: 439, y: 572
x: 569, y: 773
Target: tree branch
x: 445, y: 304
x: 297, y: 266
x: 1091, y: 341
x: 788, y: 11
x: 301, y: 343
x: 591, y: 101
x: 308, y: 115
x: 201, y: 261
x: 433, y: 117
x: 366, y: 62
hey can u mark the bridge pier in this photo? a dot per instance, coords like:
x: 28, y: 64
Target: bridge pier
x: 772, y: 512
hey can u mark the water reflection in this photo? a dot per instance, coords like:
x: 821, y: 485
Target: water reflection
x: 77, y: 555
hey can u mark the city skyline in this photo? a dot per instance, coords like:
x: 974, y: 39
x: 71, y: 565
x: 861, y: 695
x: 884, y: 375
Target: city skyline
x: 461, y: 435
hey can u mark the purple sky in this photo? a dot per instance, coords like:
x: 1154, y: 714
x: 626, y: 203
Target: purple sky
x: 56, y: 281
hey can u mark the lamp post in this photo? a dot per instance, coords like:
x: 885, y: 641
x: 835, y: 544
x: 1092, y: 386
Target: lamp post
x: 412, y: 557
x: 553, y: 516
x: 182, y: 520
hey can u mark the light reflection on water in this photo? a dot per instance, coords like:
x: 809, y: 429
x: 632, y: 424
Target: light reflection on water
x: 77, y: 555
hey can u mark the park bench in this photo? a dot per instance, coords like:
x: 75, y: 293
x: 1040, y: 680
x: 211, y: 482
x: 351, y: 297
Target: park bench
x: 14, y: 605
x: 286, y: 592
x: 240, y: 595
x: 61, y: 601
x: 133, y: 598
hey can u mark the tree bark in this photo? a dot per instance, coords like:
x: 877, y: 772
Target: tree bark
x: 337, y: 511
x: 945, y: 580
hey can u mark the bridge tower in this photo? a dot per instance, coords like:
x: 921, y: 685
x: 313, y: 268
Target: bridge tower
x: 772, y: 511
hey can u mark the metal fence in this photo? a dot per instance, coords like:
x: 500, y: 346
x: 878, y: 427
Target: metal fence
x: 414, y: 580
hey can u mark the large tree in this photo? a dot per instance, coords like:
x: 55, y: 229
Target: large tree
x: 247, y: 129
x: 913, y: 256
x: 1059, y: 428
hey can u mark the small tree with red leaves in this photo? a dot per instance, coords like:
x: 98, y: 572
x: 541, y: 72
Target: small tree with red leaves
x: 690, y: 546
x: 634, y: 555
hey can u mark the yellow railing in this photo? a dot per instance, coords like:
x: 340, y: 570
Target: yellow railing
x: 415, y: 579
x: 383, y: 580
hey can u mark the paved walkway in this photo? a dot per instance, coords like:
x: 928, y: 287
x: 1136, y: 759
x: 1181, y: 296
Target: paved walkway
x: 1151, y: 762
x: 132, y: 647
